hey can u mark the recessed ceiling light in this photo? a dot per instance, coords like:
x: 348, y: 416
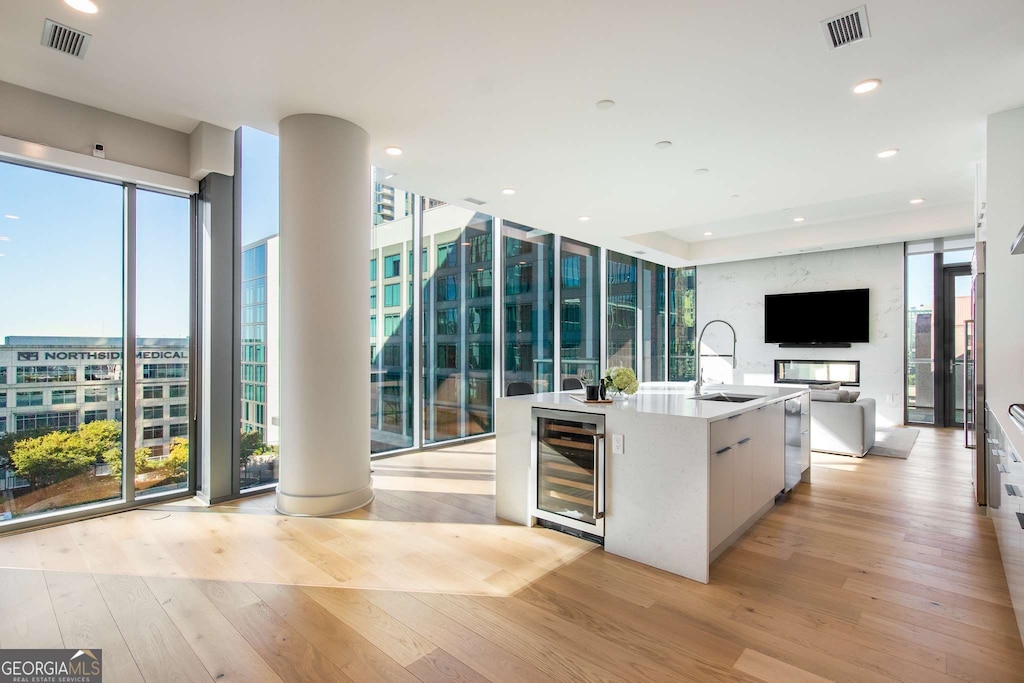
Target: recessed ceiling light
x: 465, y: 244
x: 867, y: 86
x: 734, y: 196
x: 87, y: 6
x: 605, y: 104
x: 663, y: 144
x: 393, y: 151
x: 508, y: 190
x: 799, y: 219
x: 10, y: 216
x: 917, y: 200
x: 888, y: 153
x: 707, y: 233
x: 584, y: 218
x: 640, y: 252
x: 701, y: 171
x: 522, y: 263
x: 389, y: 176
x: 479, y: 270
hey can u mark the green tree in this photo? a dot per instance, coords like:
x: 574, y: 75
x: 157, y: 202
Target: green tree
x: 252, y: 444
x: 99, y: 437
x: 112, y: 457
x: 8, y: 441
x: 177, y: 463
x: 51, y: 458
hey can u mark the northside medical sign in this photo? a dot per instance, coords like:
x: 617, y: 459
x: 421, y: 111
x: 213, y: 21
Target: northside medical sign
x: 98, y: 355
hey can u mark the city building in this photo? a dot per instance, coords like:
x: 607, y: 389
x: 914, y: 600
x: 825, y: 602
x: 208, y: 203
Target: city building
x: 63, y: 382
x: 261, y: 332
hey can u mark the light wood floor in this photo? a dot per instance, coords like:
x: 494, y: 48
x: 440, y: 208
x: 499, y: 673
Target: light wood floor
x: 882, y: 569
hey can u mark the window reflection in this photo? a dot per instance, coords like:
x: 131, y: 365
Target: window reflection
x: 621, y: 312
x: 529, y: 301
x: 457, y: 363
x: 580, y: 309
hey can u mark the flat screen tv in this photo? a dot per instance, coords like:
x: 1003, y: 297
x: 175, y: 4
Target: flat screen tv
x: 809, y: 318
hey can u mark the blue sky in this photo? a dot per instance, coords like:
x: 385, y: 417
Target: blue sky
x: 259, y: 185
x: 61, y: 272
x: 61, y: 269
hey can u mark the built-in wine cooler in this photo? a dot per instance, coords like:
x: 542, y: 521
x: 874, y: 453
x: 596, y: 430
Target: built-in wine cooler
x: 569, y: 471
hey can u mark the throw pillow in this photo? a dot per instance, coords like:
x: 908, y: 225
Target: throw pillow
x: 831, y: 386
x: 829, y: 396
x: 854, y: 395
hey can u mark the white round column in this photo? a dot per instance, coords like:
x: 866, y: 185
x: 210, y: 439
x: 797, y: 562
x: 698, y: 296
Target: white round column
x: 325, y: 280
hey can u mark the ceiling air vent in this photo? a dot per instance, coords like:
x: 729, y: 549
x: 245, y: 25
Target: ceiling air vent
x: 846, y: 28
x: 474, y: 200
x: 65, y: 39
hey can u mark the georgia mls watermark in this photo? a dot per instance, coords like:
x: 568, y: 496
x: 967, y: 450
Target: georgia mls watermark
x: 51, y: 666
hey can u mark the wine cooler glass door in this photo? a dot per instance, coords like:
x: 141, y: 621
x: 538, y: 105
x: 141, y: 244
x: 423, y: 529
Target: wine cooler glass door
x: 570, y: 460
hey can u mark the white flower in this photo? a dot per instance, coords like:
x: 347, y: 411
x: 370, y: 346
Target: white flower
x: 622, y: 379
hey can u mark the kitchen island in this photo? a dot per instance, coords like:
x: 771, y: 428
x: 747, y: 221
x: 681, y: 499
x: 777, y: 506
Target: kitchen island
x: 693, y: 472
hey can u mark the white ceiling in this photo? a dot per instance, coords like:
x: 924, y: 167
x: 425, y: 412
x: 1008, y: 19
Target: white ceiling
x: 485, y: 95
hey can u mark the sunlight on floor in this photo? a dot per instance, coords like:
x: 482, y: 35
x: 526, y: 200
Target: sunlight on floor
x: 385, y: 546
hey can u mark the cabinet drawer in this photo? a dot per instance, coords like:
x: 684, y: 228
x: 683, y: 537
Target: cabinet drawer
x: 729, y: 431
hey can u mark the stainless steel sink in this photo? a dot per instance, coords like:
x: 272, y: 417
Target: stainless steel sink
x: 722, y: 397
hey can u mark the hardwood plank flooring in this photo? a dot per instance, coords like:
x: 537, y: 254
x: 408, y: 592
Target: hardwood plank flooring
x: 881, y: 569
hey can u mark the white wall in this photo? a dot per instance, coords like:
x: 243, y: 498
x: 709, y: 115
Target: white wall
x: 62, y: 124
x: 1004, y: 308
x: 735, y: 293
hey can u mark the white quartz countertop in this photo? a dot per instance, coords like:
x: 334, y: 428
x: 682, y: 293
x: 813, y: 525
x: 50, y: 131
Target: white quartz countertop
x: 668, y: 398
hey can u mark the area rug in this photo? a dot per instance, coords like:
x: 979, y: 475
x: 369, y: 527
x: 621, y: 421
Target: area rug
x: 895, y: 443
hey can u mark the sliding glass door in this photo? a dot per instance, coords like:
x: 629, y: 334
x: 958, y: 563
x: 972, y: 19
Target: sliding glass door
x: 86, y: 416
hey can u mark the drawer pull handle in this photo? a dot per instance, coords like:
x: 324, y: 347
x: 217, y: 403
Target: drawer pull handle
x: 1002, y: 469
x: 1014, y: 456
x: 1013, y: 490
x: 743, y: 441
x: 723, y: 450
x: 1020, y: 520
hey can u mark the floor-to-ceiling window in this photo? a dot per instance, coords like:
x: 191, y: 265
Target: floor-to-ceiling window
x: 458, y: 341
x: 653, y: 322
x: 920, y: 293
x: 622, y: 310
x: 938, y: 306
x: 163, y: 420
x: 260, y: 288
x: 682, y: 323
x: 81, y: 260
x: 529, y: 302
x: 392, y: 237
x: 458, y: 310
x: 580, y: 310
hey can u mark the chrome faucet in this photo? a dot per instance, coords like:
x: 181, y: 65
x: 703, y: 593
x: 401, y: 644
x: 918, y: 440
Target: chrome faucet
x: 700, y: 380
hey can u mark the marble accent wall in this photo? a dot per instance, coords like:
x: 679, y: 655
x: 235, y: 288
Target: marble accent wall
x: 735, y: 292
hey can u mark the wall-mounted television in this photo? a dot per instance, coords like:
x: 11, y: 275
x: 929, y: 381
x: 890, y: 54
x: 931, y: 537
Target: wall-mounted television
x: 835, y: 318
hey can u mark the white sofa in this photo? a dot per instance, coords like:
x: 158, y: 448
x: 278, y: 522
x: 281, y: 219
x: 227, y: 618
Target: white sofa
x: 841, y: 426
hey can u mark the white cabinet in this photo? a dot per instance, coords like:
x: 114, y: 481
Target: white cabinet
x: 747, y: 468
x: 742, y: 481
x: 720, y: 496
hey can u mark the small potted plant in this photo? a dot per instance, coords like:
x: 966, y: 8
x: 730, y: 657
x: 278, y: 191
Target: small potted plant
x: 621, y: 382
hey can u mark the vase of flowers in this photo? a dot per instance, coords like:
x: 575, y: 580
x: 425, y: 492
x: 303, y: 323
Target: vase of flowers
x: 621, y: 382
